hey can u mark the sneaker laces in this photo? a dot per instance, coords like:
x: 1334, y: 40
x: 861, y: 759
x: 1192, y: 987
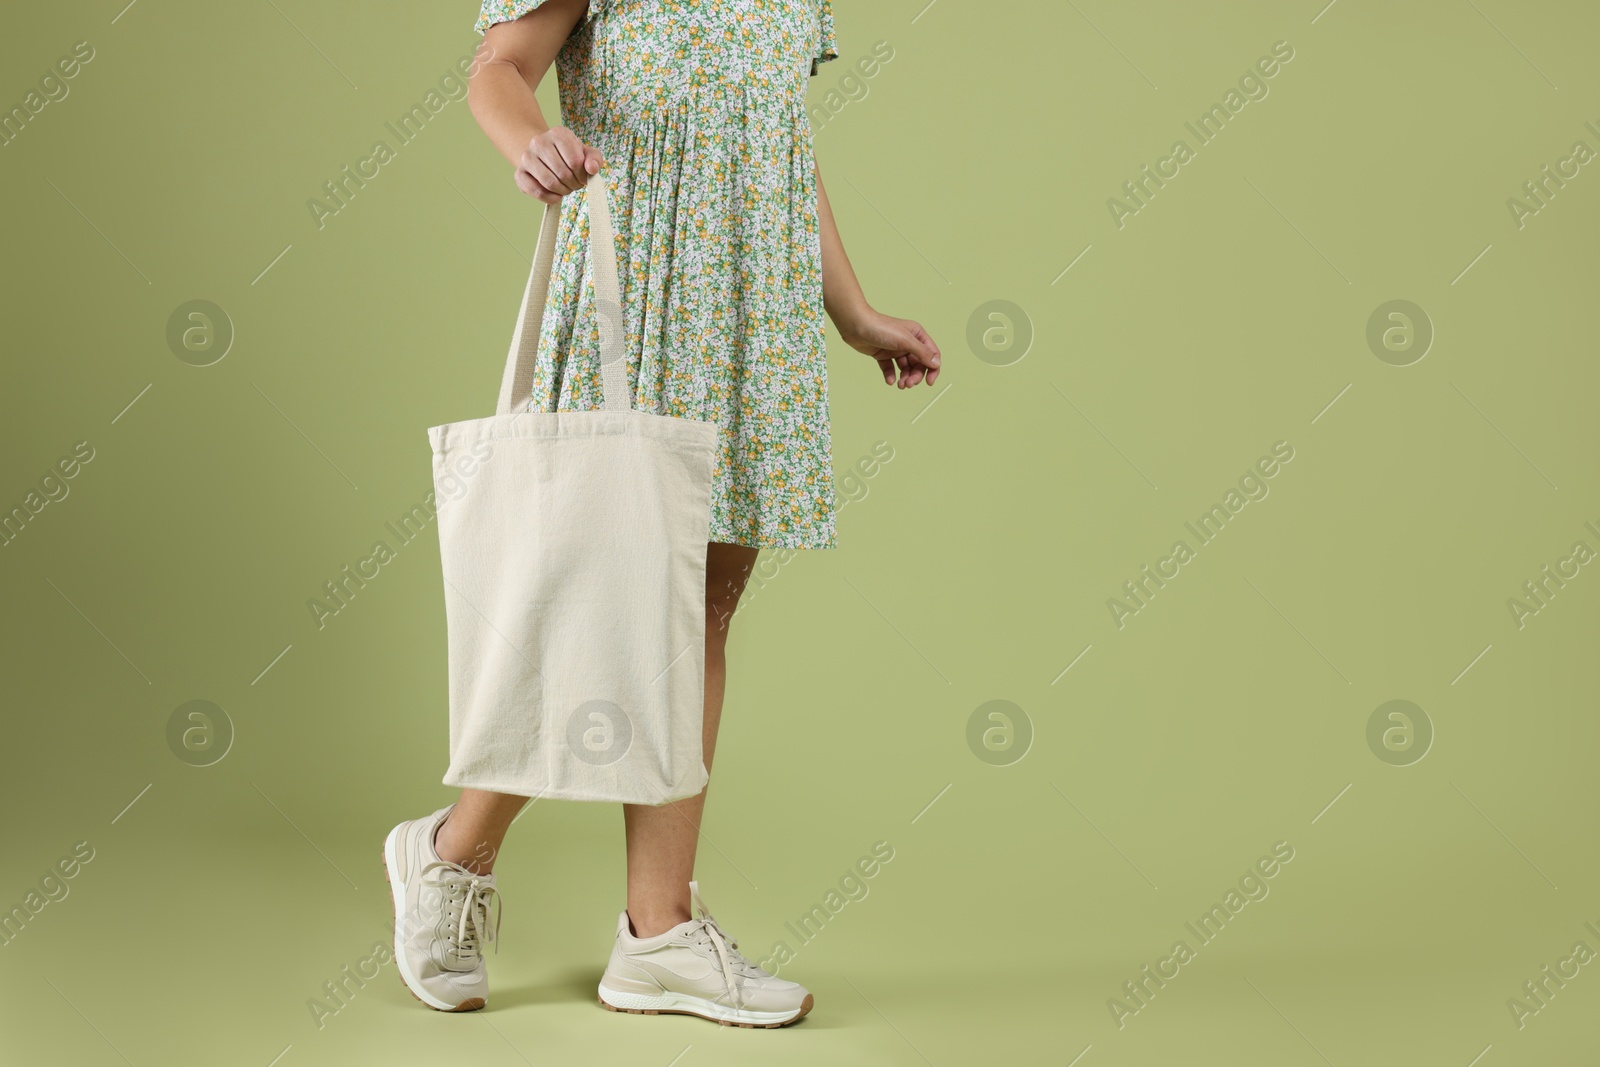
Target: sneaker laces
x: 464, y: 901
x: 734, y: 965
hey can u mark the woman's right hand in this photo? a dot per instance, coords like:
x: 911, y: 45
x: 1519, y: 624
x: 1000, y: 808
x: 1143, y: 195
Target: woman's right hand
x: 556, y: 163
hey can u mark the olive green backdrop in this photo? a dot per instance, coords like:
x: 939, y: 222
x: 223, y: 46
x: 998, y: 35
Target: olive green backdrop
x: 1338, y: 271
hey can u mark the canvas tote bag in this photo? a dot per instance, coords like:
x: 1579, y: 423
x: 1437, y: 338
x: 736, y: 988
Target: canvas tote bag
x: 573, y: 545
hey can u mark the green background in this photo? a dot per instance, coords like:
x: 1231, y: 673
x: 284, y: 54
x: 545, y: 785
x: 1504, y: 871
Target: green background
x: 1230, y: 313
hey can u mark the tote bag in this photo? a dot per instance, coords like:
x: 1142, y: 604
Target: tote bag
x: 573, y: 546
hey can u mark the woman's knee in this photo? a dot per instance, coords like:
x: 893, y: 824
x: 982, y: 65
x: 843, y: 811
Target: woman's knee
x: 728, y: 568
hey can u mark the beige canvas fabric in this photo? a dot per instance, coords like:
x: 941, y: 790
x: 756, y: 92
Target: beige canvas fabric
x: 573, y: 546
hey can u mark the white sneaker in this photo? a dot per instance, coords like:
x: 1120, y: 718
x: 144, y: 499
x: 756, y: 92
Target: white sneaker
x: 441, y: 914
x: 695, y: 969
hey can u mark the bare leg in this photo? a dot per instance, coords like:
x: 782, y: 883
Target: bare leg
x: 472, y: 833
x: 662, y: 839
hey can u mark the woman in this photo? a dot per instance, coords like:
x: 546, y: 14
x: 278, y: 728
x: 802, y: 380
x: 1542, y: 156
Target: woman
x: 727, y: 256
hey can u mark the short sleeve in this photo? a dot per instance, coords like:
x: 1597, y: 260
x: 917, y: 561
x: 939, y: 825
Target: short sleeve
x: 827, y: 46
x: 494, y: 11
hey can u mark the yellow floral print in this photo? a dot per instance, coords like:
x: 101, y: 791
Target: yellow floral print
x: 699, y: 109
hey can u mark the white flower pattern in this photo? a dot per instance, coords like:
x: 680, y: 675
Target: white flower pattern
x: 698, y: 107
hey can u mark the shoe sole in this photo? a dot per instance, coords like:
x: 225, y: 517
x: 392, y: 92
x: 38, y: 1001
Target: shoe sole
x: 395, y: 889
x: 684, y: 1004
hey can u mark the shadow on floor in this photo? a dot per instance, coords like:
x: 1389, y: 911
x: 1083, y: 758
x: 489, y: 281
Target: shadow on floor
x: 577, y: 984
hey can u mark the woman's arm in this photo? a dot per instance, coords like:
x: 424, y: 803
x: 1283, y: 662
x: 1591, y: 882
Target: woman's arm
x: 894, y: 343
x: 550, y: 161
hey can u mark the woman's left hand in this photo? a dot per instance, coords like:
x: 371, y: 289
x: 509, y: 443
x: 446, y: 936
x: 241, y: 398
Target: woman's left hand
x: 897, y: 344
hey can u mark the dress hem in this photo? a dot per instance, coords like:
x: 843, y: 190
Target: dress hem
x: 764, y: 543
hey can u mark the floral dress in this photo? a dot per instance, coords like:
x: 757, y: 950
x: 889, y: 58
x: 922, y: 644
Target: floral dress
x: 698, y: 108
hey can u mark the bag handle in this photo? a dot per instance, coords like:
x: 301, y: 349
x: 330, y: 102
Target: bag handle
x: 516, y: 385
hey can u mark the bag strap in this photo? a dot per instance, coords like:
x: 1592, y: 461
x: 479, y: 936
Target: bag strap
x: 516, y: 385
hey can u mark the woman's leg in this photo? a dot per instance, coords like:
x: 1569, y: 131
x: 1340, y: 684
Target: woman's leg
x: 662, y: 839
x: 473, y: 831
